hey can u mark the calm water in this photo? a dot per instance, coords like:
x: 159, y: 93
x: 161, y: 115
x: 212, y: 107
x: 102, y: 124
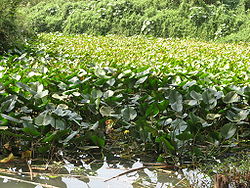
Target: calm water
x: 94, y: 175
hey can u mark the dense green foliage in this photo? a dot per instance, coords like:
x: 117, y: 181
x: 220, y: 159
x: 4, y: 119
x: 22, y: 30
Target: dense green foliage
x: 162, y: 18
x: 168, y: 96
x: 11, y: 29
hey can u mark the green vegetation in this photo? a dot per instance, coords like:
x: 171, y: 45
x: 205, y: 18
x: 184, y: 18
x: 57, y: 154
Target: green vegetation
x: 225, y: 20
x: 182, y: 99
x: 12, y: 28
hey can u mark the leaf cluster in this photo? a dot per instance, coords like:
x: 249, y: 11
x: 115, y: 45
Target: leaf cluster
x: 173, y: 95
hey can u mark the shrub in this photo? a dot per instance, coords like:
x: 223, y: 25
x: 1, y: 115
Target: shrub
x: 187, y: 18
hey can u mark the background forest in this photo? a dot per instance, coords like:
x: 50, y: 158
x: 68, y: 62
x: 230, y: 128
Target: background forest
x: 222, y: 20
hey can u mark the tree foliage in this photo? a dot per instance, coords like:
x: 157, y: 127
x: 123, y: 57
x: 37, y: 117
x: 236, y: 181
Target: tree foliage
x: 206, y: 19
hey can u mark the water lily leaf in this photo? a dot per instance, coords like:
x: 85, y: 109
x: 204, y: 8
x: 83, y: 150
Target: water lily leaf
x: 141, y: 80
x: 129, y: 113
x: 106, y: 111
x: 9, y: 104
x: 166, y: 144
x: 152, y: 110
x: 97, y: 140
x: 31, y: 131
x: 43, y: 119
x: 41, y: 94
x: 25, y: 87
x: 94, y: 126
x: 228, y: 130
x: 231, y: 97
x: 10, y: 118
x: 175, y: 99
x: 72, y: 135
x: 108, y: 94
x: 192, y: 102
x: 195, y: 95
x: 237, y: 117
x: 96, y: 94
x: 179, y: 126
x: 186, y: 135
x: 213, y: 116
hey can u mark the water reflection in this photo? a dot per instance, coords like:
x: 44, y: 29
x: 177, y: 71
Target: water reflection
x: 93, y: 175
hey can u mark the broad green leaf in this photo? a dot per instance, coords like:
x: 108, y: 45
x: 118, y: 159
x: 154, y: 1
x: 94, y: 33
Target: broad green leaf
x: 228, y: 130
x: 108, y: 94
x: 72, y: 135
x: 167, y: 145
x: 128, y: 113
x: 9, y: 104
x: 186, y: 135
x: 96, y: 94
x: 106, y: 111
x: 55, y: 136
x: 175, y: 99
x: 10, y: 118
x: 141, y: 80
x: 31, y: 131
x: 179, y: 126
x: 44, y: 119
x: 208, y: 97
x: 237, y: 117
x: 152, y: 110
x: 192, y: 102
x: 195, y: 95
x: 41, y: 94
x: 94, y: 126
x: 231, y: 97
x: 213, y: 116
x: 97, y: 140
x: 59, y: 124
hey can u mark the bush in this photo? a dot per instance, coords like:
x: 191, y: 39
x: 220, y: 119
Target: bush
x: 12, y: 27
x: 197, y: 18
